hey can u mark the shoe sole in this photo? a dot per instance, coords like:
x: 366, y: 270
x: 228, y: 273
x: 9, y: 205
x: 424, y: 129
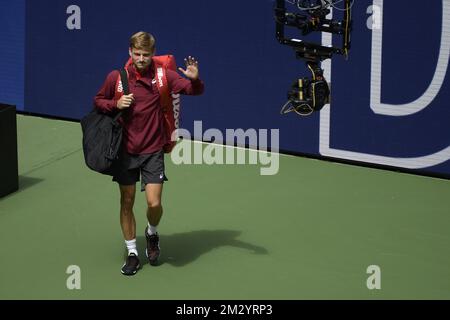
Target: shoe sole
x: 152, y: 262
x: 131, y: 274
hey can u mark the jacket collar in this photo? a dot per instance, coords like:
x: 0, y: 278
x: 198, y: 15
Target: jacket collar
x: 146, y: 77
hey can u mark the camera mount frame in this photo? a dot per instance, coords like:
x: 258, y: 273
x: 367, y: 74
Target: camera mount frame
x: 309, y: 95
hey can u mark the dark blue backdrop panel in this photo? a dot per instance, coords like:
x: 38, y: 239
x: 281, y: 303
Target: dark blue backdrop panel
x: 247, y: 72
x: 410, y: 55
x: 12, y: 52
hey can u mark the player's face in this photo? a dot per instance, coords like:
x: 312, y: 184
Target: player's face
x: 141, y: 58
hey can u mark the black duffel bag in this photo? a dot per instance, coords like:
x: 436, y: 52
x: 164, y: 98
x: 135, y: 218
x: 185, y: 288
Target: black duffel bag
x: 102, y: 137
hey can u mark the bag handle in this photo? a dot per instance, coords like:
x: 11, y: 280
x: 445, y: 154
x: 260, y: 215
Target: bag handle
x: 125, y: 88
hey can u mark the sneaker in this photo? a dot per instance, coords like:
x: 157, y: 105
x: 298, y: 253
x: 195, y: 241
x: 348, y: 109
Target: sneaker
x: 153, y: 249
x: 131, y: 265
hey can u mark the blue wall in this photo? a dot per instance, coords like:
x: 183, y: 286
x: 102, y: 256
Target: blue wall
x: 12, y: 52
x: 49, y: 69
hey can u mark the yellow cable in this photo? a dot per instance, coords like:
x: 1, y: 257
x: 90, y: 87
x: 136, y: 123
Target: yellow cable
x: 312, y: 71
x: 314, y: 95
x: 300, y: 91
x: 346, y: 27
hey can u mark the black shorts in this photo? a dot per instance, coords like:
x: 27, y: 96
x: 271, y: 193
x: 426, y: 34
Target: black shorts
x: 129, y: 168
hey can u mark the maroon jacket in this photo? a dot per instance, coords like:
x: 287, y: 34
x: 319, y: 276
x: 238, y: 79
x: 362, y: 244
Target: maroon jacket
x: 143, y: 130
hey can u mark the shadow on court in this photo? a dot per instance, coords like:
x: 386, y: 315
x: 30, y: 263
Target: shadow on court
x: 24, y: 183
x: 180, y: 249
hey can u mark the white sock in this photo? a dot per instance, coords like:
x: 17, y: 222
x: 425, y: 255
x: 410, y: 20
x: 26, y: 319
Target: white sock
x: 151, y: 229
x: 131, y: 246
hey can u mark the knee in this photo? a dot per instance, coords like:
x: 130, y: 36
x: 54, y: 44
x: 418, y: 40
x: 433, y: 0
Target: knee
x: 154, y: 204
x: 127, y: 202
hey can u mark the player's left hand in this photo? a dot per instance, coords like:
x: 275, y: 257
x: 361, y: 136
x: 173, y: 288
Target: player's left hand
x: 191, y: 71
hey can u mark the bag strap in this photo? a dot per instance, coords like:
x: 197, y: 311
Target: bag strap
x: 126, y: 90
x: 124, y: 79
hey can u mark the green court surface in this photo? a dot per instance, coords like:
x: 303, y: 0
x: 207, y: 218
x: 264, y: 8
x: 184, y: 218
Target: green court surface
x: 309, y: 232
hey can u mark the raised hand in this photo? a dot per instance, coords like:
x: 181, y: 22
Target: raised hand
x: 191, y: 71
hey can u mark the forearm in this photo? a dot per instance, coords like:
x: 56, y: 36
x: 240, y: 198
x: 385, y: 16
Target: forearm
x: 105, y: 99
x: 197, y: 87
x: 105, y: 105
x: 189, y: 87
x: 178, y: 84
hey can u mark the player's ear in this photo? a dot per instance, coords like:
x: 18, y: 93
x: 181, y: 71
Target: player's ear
x: 129, y: 51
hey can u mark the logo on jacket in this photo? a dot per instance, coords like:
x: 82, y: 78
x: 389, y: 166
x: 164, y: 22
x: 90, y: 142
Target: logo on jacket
x: 159, y: 72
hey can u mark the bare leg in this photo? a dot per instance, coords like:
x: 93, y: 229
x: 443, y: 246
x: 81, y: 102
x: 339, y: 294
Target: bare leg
x: 153, y: 192
x: 127, y: 221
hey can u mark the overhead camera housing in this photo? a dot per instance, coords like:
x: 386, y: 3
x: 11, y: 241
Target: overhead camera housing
x: 311, y: 94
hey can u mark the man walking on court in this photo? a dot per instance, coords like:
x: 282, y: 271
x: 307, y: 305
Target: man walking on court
x: 143, y: 139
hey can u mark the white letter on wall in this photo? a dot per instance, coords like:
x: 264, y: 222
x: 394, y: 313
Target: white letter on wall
x: 74, y: 20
